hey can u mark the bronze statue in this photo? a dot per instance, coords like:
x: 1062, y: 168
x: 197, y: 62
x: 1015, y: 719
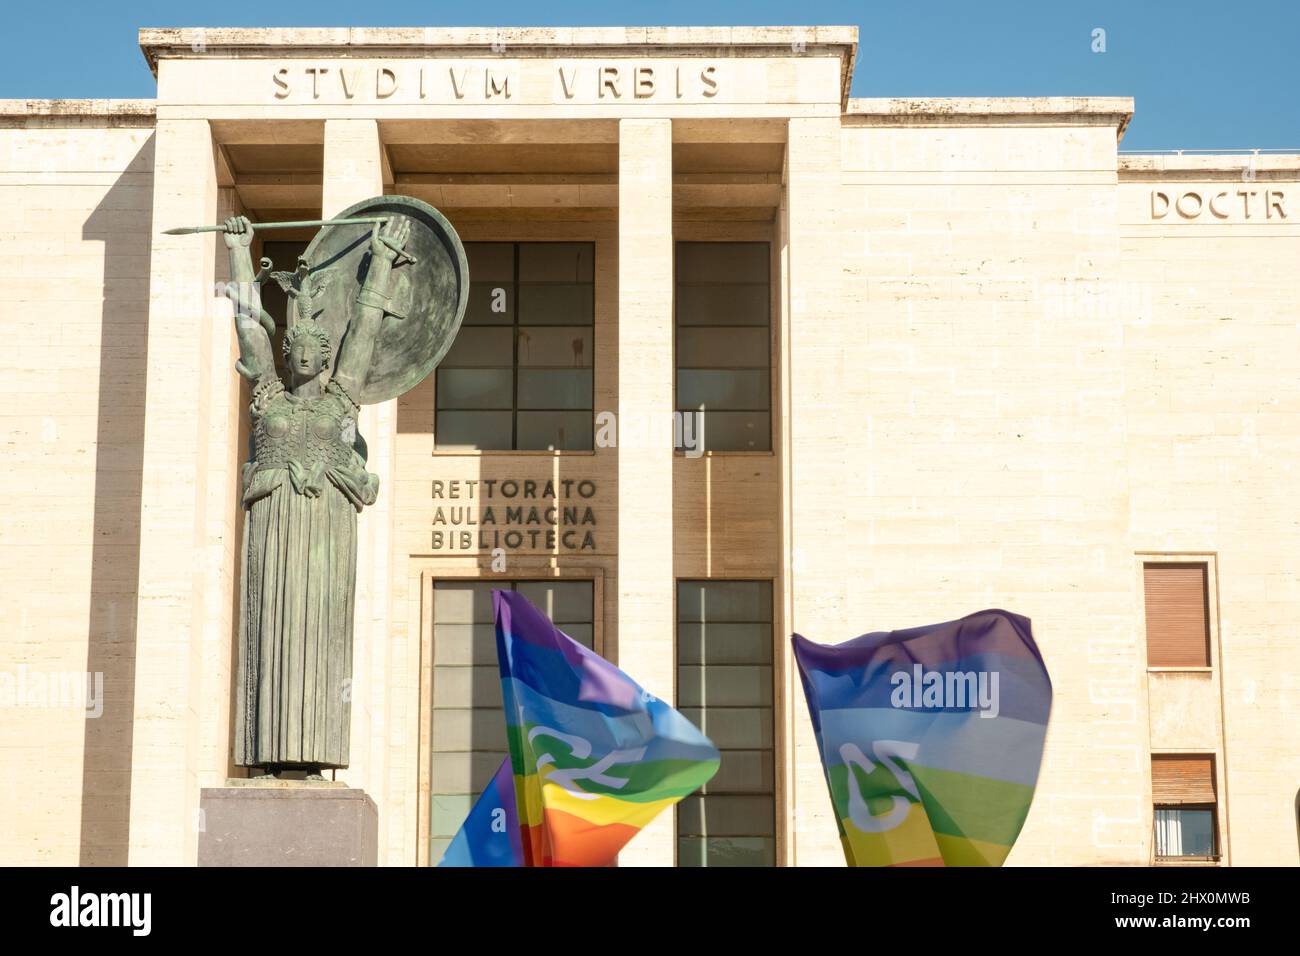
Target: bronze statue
x: 306, y: 480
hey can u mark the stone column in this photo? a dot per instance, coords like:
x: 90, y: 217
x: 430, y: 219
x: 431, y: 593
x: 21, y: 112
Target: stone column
x: 817, y: 424
x: 353, y: 171
x: 185, y: 352
x: 645, y: 435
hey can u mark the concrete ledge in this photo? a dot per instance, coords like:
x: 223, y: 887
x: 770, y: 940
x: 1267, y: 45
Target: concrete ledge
x: 984, y: 110
x: 287, y: 823
x: 1271, y: 166
x: 77, y: 113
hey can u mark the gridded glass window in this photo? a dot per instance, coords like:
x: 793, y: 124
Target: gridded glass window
x: 724, y: 687
x: 468, y: 732
x: 519, y: 375
x: 1186, y: 806
x: 723, y: 340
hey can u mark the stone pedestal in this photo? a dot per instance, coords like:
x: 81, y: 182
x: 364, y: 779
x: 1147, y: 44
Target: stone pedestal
x: 287, y: 823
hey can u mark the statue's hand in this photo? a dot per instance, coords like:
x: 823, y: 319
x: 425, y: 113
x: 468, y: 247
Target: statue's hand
x: 387, y: 241
x: 238, y: 232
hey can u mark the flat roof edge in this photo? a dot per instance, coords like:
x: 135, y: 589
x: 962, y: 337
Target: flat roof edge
x: 1208, y: 163
x: 79, y: 109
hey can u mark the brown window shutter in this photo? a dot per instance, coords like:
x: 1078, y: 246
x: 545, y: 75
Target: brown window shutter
x: 1177, y: 605
x: 1182, y: 779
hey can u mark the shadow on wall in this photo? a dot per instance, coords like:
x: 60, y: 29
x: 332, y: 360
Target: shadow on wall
x: 123, y: 221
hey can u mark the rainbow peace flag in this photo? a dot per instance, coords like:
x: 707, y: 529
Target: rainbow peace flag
x: 490, y: 834
x: 595, y: 758
x: 931, y: 738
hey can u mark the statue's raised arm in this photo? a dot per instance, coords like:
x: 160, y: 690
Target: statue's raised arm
x: 256, y: 359
x: 373, y: 302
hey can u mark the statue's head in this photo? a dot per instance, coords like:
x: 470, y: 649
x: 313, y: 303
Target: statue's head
x: 306, y: 350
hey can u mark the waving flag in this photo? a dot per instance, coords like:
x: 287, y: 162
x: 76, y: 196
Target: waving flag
x: 490, y: 834
x: 595, y: 758
x: 931, y: 738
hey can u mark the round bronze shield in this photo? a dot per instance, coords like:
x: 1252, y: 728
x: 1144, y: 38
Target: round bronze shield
x: 428, y: 291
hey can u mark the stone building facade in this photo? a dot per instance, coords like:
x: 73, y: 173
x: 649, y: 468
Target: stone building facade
x: 957, y: 353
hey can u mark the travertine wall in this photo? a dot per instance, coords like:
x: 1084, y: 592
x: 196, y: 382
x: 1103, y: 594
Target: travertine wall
x: 1212, y: 400
x: 982, y: 430
x: 75, y: 200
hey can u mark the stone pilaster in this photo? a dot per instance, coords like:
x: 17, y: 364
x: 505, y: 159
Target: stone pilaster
x: 645, y: 435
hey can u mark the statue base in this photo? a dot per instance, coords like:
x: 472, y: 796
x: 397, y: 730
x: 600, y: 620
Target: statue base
x: 270, y: 822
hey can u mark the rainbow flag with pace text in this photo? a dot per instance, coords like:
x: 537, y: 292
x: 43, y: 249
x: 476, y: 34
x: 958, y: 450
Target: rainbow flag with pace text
x: 490, y: 834
x: 931, y: 738
x: 595, y: 758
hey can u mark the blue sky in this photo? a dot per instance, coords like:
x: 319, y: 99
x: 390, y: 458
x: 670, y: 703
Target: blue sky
x: 1205, y: 74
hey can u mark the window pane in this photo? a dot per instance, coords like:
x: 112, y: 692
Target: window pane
x: 555, y: 431
x: 555, y: 388
x: 473, y: 430
x: 733, y: 431
x: 474, y: 388
x: 742, y: 728
x: 724, y: 685
x: 566, y: 347
x: 479, y: 347
x: 478, y: 686
x: 491, y: 261
x: 722, y: 262
x: 726, y: 851
x: 563, y: 602
x: 467, y: 602
x: 725, y: 816
x: 723, y: 304
x: 464, y: 644
x: 556, y: 262
x: 490, y: 303
x: 482, y: 725
x: 714, y: 601
x: 555, y: 304
x: 728, y: 390
x: 723, y: 348
x: 724, y: 643
x: 1184, y: 832
x: 742, y: 771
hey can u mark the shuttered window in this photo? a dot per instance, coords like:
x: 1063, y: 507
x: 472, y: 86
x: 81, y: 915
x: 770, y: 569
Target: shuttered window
x: 1177, y: 615
x: 468, y: 731
x: 1186, y: 806
x: 724, y: 687
x: 1182, y: 778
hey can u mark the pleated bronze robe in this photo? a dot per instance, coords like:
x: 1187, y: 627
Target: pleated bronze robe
x: 303, y: 490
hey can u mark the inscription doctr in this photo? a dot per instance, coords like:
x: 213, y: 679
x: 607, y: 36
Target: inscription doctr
x: 485, y: 514
x: 1221, y: 204
x: 416, y: 81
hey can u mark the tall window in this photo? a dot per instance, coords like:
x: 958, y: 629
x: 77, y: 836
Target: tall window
x: 723, y: 325
x: 1177, y: 613
x: 519, y: 375
x: 724, y: 687
x: 1186, y: 807
x: 468, y: 733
